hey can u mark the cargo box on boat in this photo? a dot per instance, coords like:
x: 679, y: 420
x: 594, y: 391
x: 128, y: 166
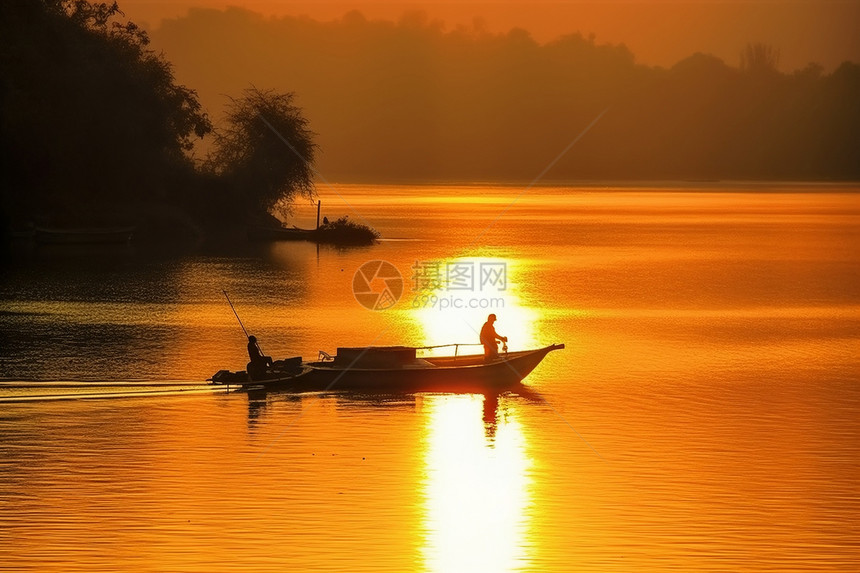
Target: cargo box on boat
x: 375, y: 357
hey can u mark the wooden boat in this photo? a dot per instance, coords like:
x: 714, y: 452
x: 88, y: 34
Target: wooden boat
x: 329, y: 233
x: 392, y: 368
x: 260, y: 233
x: 88, y: 235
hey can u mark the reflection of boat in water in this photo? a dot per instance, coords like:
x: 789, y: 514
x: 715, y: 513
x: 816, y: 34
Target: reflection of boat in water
x: 83, y: 235
x: 391, y: 368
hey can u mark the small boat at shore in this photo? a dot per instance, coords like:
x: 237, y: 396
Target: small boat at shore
x: 391, y: 368
x: 341, y: 231
x: 261, y: 233
x: 79, y: 236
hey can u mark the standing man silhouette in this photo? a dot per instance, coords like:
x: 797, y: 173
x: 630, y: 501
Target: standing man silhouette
x: 489, y: 338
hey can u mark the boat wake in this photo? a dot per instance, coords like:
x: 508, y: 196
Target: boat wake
x: 11, y: 391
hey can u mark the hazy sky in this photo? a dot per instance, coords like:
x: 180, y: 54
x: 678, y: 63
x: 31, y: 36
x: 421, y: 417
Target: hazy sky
x: 661, y: 33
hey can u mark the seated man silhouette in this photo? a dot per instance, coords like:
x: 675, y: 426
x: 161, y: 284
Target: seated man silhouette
x: 490, y: 339
x: 258, y: 364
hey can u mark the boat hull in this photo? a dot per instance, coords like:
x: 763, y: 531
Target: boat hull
x: 460, y: 374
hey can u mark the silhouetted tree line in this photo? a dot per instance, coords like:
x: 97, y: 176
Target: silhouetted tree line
x: 412, y: 100
x: 96, y: 130
x: 93, y: 122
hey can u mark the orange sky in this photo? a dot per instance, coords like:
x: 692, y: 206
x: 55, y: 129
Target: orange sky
x: 824, y: 31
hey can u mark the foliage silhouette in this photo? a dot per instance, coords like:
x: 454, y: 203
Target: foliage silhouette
x: 97, y: 131
x: 758, y: 58
x: 94, y: 123
x: 343, y: 231
x: 264, y: 152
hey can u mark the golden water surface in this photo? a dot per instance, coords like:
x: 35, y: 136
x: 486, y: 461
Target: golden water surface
x: 704, y: 416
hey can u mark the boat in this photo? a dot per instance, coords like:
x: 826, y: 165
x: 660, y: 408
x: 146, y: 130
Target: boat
x: 83, y: 235
x: 262, y: 233
x: 337, y: 233
x: 391, y: 368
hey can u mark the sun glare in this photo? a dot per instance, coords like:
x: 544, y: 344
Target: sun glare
x: 477, y: 488
x: 455, y: 308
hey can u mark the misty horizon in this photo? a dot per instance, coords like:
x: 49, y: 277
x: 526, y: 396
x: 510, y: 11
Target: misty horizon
x: 414, y: 100
x: 659, y: 33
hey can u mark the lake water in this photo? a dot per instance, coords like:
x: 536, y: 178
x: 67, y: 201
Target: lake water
x: 704, y: 416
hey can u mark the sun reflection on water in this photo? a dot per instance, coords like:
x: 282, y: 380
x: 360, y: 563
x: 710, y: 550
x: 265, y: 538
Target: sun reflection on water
x: 477, y: 486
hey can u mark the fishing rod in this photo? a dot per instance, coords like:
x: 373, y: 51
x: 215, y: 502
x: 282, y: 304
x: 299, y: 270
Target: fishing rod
x: 234, y: 312
x: 255, y: 343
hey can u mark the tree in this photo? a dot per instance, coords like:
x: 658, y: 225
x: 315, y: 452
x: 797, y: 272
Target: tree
x: 265, y: 152
x: 758, y: 58
x: 92, y: 119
